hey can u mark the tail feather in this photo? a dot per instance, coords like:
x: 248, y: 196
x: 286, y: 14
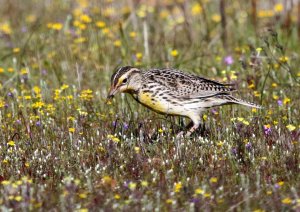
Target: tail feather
x: 235, y: 100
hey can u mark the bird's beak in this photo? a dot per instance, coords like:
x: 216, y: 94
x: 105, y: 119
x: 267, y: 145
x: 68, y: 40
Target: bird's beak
x: 111, y: 93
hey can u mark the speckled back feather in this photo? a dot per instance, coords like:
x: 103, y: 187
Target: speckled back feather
x: 186, y: 86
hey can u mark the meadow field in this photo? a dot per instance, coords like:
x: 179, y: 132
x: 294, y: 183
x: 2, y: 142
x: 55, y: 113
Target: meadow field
x: 64, y: 148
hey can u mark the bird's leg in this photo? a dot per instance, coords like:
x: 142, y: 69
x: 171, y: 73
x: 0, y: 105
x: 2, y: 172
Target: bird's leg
x: 192, y: 129
x: 191, y: 126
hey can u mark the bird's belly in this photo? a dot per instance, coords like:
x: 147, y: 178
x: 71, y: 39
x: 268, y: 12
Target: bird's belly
x: 159, y: 105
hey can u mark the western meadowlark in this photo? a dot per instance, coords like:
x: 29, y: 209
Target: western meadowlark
x: 173, y: 92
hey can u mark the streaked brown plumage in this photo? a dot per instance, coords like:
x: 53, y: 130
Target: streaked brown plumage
x: 173, y: 92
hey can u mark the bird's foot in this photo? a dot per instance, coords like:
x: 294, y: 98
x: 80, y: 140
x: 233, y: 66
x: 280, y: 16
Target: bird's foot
x: 182, y: 134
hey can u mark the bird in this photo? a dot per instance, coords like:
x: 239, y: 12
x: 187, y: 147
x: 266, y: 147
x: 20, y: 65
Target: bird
x: 173, y: 92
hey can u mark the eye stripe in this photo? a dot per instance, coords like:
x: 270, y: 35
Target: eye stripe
x: 115, y: 77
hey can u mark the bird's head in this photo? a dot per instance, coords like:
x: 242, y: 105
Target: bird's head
x: 126, y: 79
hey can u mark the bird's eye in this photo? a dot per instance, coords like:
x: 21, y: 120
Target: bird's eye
x: 124, y: 81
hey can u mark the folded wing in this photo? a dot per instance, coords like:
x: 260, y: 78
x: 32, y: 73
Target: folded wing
x: 188, y: 86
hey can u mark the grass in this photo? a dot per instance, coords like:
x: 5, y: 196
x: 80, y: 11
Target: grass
x: 63, y: 148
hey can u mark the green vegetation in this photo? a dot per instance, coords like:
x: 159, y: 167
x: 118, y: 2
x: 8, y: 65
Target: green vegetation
x: 63, y: 147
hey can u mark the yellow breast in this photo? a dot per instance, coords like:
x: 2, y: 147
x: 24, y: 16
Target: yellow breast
x: 151, y: 102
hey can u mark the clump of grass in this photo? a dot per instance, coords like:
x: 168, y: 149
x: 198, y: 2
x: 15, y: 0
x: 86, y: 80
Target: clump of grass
x: 62, y: 147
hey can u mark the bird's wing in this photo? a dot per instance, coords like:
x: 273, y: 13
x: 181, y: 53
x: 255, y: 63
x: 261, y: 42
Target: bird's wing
x: 187, y: 86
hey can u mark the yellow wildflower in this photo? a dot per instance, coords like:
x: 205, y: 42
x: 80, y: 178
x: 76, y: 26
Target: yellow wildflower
x: 36, y: 90
x: 286, y: 201
x: 265, y: 13
x: 280, y: 183
x: 258, y: 50
x: 117, y: 43
x: 106, y: 180
x: 199, y: 191
x: 70, y: 118
x: 86, y: 95
x: 16, y: 50
x: 55, y: 26
x: 38, y: 105
x: 220, y: 201
x: 109, y: 11
x: 5, y: 28
x: 164, y: 14
x: 291, y: 127
x: 216, y: 18
x: 196, y: 9
x: 132, y: 34
x: 113, y: 138
x: 213, y: 180
x: 100, y: 24
x: 144, y: 183
x: 269, y: 192
x: 69, y: 97
x: 233, y: 75
x: 105, y: 31
x: 18, y: 198
x: 71, y: 129
x: 85, y: 18
x: 82, y: 195
x: 174, y: 53
x: 177, y: 187
x: 64, y: 87
x: 5, y: 182
x: 275, y: 97
x: 286, y: 100
x: 142, y: 12
x: 278, y: 7
x: 139, y: 55
x: 251, y: 86
x: 2, y: 103
x: 207, y: 195
x: 137, y: 149
x: 259, y: 210
x: 10, y: 70
x: 246, y: 122
x: 11, y: 143
x: 132, y: 186
x: 284, y: 59
x: 220, y: 143
x: 80, y: 40
x: 169, y: 201
x: 276, y: 65
x: 256, y: 93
